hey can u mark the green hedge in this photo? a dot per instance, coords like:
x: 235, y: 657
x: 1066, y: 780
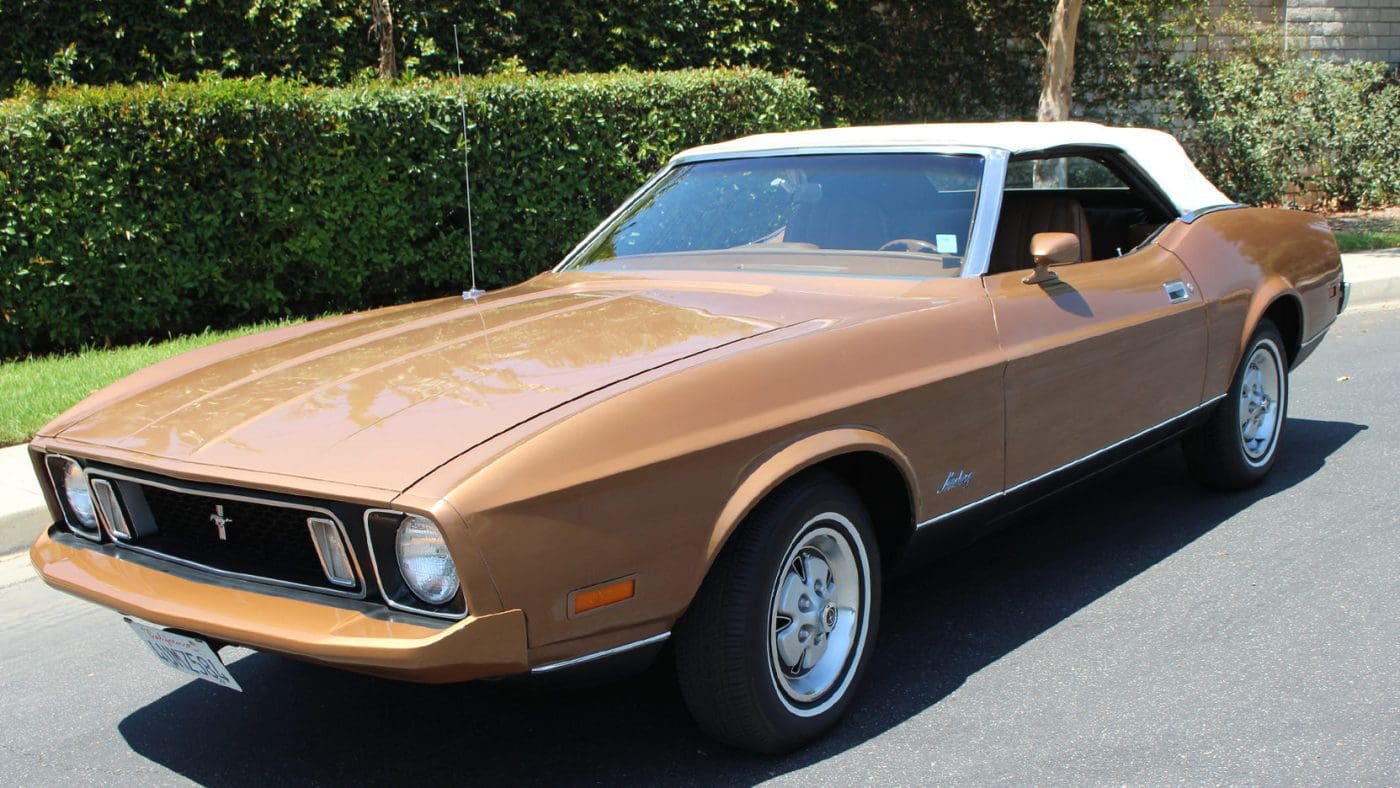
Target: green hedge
x: 131, y: 212
x: 886, y: 61
x: 1319, y: 134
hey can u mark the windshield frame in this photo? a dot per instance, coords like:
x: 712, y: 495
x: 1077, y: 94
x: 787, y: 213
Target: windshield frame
x: 984, y: 216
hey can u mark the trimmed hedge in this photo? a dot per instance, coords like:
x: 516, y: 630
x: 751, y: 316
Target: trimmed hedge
x: 1310, y: 132
x: 870, y: 62
x: 130, y: 212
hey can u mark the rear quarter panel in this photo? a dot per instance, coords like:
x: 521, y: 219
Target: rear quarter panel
x: 1244, y: 260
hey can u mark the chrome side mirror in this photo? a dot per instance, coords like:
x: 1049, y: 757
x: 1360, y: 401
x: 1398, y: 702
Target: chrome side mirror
x: 1049, y: 249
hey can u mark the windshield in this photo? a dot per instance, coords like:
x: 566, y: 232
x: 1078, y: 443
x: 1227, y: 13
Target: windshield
x: 869, y: 214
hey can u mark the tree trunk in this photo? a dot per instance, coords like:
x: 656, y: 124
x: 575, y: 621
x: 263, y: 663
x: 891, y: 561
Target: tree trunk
x: 384, y: 31
x: 1057, y: 83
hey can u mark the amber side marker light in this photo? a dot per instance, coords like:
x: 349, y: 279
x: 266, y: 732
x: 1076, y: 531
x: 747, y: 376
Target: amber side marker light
x: 604, y: 595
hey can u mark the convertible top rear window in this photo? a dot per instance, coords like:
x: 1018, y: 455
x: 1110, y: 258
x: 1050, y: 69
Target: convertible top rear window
x: 868, y: 214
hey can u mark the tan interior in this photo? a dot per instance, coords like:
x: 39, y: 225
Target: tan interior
x: 1024, y: 215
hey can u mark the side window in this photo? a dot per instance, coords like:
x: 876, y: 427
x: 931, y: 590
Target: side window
x: 1066, y: 172
x: 1079, y: 194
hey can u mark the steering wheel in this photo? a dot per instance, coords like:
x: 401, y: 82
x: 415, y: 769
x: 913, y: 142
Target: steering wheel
x: 910, y: 245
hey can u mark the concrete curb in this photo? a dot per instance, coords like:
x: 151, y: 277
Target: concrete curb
x: 23, y: 513
x: 1374, y: 278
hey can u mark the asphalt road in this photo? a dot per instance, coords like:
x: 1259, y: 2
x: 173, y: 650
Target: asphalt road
x: 1136, y: 630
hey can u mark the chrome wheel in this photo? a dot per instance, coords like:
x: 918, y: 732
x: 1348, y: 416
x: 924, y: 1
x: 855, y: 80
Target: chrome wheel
x: 1260, y: 406
x: 819, y: 613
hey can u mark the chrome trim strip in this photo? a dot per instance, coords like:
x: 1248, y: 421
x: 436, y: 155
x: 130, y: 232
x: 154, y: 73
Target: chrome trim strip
x: 612, y: 217
x: 1191, y: 216
x: 959, y: 510
x: 831, y: 150
x: 92, y: 535
x: 1113, y: 446
x: 586, y: 658
x: 986, y: 214
x: 379, y: 581
x: 359, y: 575
x: 1069, y: 465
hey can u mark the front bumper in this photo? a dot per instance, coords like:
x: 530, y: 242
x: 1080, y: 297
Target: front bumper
x: 366, y: 641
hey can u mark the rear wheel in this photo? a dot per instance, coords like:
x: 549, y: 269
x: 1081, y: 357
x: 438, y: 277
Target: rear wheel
x: 771, y: 650
x: 1236, y: 447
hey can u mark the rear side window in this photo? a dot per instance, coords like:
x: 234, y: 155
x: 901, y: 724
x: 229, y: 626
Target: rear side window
x: 1064, y: 172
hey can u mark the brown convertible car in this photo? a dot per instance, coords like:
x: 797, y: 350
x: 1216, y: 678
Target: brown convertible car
x: 782, y: 366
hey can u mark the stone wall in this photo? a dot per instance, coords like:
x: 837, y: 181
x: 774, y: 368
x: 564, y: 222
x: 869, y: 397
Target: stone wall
x: 1327, y: 29
x: 1343, y: 29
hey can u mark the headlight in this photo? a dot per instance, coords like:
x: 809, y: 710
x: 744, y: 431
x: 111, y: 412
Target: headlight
x: 72, y: 485
x: 426, y: 565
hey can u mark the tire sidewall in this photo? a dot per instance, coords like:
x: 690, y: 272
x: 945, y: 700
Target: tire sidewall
x: 1268, y: 338
x: 787, y: 719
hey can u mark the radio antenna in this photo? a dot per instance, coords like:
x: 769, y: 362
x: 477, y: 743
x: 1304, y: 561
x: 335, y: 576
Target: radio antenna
x: 473, y: 293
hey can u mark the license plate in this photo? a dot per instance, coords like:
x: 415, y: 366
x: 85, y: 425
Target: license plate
x: 186, y: 654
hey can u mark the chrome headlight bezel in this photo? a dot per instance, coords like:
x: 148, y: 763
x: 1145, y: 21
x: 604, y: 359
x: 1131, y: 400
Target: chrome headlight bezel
x: 73, y: 490
x: 382, y: 530
x: 425, y: 562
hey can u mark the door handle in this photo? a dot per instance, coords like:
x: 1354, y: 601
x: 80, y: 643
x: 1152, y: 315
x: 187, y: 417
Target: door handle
x: 1177, y: 291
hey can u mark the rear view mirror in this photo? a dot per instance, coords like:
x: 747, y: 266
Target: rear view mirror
x: 1049, y: 249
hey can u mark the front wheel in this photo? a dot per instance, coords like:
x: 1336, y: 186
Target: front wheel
x: 771, y: 650
x: 1235, y: 448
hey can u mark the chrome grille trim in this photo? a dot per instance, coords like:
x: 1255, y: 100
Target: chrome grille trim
x: 311, y: 511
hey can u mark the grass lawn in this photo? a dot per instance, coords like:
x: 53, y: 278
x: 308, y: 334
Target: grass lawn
x: 1365, y: 230
x: 1353, y: 241
x: 33, y: 391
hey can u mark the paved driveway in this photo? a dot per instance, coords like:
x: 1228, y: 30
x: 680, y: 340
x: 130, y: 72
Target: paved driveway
x: 1137, y: 630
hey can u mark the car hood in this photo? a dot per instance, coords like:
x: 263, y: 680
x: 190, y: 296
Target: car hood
x: 378, y: 399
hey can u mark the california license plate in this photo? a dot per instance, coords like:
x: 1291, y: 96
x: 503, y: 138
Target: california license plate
x: 186, y: 654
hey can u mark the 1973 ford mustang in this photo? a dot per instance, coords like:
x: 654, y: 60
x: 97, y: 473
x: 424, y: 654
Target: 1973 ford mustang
x: 782, y: 366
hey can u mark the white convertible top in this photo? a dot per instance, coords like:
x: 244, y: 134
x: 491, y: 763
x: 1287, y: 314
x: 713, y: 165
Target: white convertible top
x: 1159, y: 155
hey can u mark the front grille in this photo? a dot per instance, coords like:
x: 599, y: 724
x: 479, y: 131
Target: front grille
x: 259, y: 540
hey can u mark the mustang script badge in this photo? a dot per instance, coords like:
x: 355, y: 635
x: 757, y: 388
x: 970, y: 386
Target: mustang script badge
x: 219, y: 521
x: 956, y: 480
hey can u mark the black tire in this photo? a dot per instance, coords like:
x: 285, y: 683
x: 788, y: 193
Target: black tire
x: 729, y: 646
x: 1219, y: 452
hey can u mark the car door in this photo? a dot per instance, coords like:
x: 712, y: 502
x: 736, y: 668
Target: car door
x: 1110, y: 349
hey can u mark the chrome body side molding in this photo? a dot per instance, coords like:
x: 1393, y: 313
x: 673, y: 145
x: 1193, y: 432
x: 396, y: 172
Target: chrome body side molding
x: 597, y: 655
x: 1067, y: 466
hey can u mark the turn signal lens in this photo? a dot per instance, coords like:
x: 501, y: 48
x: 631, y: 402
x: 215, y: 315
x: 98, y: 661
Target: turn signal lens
x: 602, y: 596
x: 111, y: 508
x: 330, y: 548
x: 425, y: 562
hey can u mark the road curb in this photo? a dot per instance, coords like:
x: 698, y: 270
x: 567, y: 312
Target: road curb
x: 1374, y: 276
x: 23, y: 513
x: 1374, y: 291
x: 18, y: 529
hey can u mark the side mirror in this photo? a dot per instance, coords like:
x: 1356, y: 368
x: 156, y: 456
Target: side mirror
x: 1048, y: 249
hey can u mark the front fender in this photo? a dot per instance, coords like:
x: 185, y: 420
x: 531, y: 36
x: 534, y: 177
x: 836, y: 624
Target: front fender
x: 768, y: 473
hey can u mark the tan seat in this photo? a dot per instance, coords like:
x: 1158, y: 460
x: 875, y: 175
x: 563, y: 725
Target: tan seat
x: 1023, y: 215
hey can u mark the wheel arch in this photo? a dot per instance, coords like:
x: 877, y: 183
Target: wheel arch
x: 1280, y: 304
x: 875, y: 468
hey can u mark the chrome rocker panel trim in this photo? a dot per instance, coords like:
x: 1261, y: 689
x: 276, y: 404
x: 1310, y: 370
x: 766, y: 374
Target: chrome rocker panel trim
x: 1067, y: 466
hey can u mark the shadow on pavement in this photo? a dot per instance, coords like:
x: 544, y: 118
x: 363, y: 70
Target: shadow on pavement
x: 298, y: 723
